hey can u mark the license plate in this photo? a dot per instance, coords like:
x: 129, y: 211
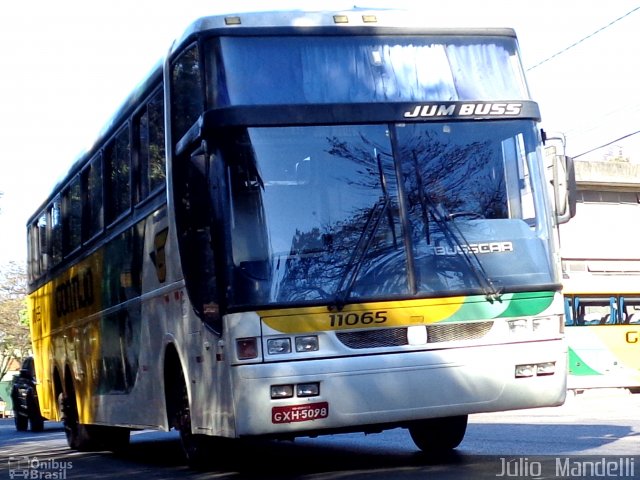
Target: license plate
x: 299, y: 413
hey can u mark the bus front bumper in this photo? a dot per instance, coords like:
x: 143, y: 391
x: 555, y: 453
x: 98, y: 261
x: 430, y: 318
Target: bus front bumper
x: 397, y: 388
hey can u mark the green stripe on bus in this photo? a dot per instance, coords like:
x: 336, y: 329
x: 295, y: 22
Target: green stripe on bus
x: 577, y: 366
x: 528, y: 303
x: 510, y: 305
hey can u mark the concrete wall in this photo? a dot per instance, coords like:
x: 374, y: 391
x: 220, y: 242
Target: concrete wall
x: 608, y: 176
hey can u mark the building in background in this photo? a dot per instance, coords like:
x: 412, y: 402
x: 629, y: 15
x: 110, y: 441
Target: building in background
x: 602, y: 239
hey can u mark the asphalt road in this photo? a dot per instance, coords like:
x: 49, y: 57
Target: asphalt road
x: 593, y: 435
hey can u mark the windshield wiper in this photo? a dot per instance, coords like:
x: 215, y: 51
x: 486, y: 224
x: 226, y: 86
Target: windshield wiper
x: 387, y: 199
x: 369, y: 231
x: 352, y: 269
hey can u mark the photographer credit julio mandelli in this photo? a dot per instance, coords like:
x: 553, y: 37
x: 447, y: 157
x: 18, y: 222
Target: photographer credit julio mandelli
x: 568, y: 467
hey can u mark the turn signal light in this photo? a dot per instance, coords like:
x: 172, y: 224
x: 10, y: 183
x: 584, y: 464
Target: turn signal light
x: 247, y: 348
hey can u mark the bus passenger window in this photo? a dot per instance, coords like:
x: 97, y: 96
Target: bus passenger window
x: 39, y: 247
x: 92, y: 187
x: 55, y: 232
x: 149, y: 128
x: 118, y: 163
x: 186, y: 93
x: 72, y: 217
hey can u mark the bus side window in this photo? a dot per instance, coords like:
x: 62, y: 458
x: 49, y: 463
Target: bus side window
x: 149, y: 144
x: 72, y: 216
x: 568, y: 312
x: 37, y: 247
x: 186, y: 92
x: 93, y: 210
x: 118, y: 175
x: 55, y: 230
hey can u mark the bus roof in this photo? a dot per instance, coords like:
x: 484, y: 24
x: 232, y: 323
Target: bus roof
x: 281, y: 22
x: 366, y: 19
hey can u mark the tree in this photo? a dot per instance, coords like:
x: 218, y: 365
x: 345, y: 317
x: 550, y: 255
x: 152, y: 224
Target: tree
x: 15, y: 341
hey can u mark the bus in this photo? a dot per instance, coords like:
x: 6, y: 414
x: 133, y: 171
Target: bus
x: 305, y: 223
x: 603, y: 329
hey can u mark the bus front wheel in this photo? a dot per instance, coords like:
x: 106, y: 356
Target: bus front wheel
x: 195, y: 447
x: 439, y: 434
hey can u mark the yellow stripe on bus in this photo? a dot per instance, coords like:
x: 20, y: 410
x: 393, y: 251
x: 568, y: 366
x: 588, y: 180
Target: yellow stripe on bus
x: 366, y: 315
x: 63, y: 321
x: 623, y: 341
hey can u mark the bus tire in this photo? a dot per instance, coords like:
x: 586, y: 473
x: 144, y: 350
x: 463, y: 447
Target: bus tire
x: 194, y: 446
x: 435, y: 435
x: 36, y: 420
x: 78, y: 435
x: 22, y: 422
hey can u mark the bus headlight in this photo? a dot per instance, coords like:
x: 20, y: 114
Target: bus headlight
x: 535, y: 369
x: 518, y: 326
x: 545, y: 325
x: 525, y: 370
x: 278, y: 346
x: 281, y: 391
x: 308, y: 390
x: 547, y: 368
x: 307, y: 344
x: 539, y: 326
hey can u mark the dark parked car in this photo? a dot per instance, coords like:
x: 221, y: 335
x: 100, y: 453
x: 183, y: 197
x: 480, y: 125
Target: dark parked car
x: 26, y: 409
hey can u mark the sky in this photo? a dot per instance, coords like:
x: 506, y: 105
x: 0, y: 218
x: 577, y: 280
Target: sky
x: 67, y: 65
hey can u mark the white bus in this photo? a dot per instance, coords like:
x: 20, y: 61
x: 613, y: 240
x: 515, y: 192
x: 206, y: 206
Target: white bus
x: 303, y: 224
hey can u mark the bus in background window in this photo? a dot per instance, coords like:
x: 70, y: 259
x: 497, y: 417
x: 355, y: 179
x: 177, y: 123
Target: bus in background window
x: 603, y: 329
x: 301, y: 224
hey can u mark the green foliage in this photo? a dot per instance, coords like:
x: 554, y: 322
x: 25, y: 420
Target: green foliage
x: 15, y: 342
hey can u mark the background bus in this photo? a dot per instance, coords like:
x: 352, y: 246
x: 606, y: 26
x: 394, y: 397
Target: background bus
x: 603, y: 330
x: 303, y: 224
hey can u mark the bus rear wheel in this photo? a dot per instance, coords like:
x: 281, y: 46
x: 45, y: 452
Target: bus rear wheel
x: 78, y: 436
x: 435, y: 435
x: 87, y: 438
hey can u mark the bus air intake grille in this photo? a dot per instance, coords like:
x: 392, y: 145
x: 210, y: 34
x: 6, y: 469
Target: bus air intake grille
x: 394, y: 337
x: 380, y: 337
x: 455, y: 332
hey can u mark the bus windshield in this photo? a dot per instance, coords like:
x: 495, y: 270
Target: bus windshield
x: 319, y: 213
x: 302, y: 70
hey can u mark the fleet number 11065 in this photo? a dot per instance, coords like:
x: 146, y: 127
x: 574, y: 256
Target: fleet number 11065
x: 351, y: 319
